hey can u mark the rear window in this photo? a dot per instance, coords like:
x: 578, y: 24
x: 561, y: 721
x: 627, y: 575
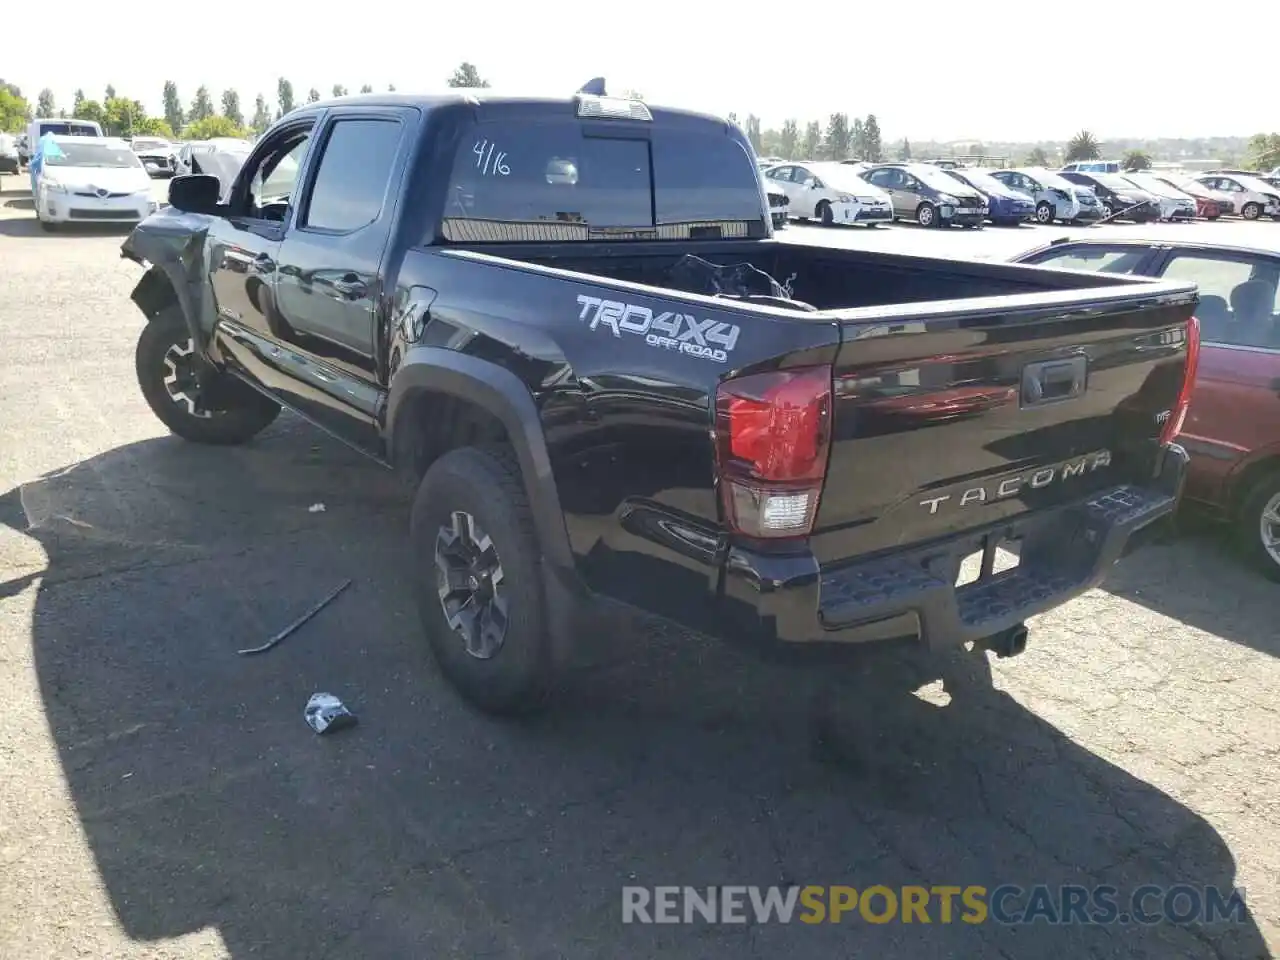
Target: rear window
x: 522, y: 182
x: 63, y: 129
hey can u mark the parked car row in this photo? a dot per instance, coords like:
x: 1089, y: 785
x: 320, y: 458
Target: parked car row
x: 858, y: 192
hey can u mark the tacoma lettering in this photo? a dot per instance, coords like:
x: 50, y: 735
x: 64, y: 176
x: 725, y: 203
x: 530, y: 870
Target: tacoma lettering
x: 1011, y: 486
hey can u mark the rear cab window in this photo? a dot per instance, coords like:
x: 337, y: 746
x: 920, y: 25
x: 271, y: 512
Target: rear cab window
x: 561, y: 180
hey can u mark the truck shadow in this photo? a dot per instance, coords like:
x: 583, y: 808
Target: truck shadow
x: 431, y: 831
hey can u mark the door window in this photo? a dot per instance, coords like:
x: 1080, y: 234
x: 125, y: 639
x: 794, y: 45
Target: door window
x: 355, y: 169
x: 1238, y: 297
x: 1099, y: 260
x: 274, y: 176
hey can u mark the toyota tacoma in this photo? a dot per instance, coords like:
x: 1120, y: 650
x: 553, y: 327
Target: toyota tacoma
x: 569, y: 323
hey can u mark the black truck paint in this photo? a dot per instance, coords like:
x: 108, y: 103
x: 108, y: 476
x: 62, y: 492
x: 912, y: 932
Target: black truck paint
x: 405, y: 341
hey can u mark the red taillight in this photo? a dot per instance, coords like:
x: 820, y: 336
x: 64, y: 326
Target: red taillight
x: 773, y: 433
x: 1178, y: 416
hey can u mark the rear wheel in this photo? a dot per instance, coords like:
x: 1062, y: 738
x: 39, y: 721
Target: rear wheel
x: 477, y: 582
x: 1044, y: 212
x: 926, y: 215
x: 1251, y: 211
x: 165, y: 364
x: 1258, y: 526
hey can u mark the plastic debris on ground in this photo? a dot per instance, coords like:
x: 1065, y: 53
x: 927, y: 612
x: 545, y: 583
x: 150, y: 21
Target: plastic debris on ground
x: 316, y: 508
x: 325, y: 713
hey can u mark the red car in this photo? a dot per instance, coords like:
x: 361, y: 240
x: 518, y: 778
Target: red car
x: 1233, y: 428
x: 1208, y: 205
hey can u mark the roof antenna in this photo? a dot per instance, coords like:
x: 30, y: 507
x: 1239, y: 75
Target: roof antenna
x: 594, y: 87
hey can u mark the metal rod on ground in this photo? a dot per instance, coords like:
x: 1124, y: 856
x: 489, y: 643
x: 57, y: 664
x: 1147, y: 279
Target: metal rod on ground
x: 1119, y: 213
x: 297, y: 623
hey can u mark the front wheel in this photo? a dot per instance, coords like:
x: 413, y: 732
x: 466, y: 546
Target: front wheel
x: 165, y: 364
x: 477, y: 583
x: 1258, y: 526
x: 926, y: 216
x: 1044, y: 212
x: 1251, y: 211
x: 825, y: 214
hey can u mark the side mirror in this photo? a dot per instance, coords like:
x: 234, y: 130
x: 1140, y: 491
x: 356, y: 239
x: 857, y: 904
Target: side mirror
x: 195, y: 193
x: 811, y: 183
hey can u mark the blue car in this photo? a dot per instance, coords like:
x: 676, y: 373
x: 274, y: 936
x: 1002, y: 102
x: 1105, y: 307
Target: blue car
x: 1005, y: 205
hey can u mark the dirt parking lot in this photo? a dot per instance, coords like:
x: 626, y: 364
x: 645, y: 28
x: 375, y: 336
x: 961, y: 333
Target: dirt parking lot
x: 160, y: 796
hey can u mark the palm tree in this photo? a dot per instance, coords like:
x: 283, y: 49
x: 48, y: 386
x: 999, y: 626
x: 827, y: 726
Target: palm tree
x: 1083, y: 146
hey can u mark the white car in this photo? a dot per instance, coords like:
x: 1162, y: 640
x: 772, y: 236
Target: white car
x: 1253, y: 198
x: 1175, y: 204
x: 91, y: 180
x: 159, y: 157
x: 830, y: 192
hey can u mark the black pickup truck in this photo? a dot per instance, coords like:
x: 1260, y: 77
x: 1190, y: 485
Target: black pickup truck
x: 569, y: 322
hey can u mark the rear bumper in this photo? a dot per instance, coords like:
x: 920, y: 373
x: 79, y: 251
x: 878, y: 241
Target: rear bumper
x: 912, y: 593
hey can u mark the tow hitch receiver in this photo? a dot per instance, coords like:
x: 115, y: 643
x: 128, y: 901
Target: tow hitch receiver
x: 1006, y: 643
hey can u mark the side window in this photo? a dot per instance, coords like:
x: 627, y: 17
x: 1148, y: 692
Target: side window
x: 1237, y: 298
x: 351, y: 181
x: 779, y: 173
x: 1098, y: 260
x: 273, y: 180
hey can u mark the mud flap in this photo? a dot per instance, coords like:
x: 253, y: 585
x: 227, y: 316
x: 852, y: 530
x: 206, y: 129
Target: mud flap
x: 175, y: 243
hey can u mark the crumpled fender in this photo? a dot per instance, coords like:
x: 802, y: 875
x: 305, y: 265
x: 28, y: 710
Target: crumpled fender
x: 176, y: 244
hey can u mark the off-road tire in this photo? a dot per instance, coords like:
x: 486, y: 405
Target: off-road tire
x: 242, y: 412
x: 485, y: 484
x: 1248, y: 525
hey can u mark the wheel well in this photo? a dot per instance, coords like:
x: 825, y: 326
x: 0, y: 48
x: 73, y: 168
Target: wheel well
x: 430, y: 424
x: 1248, y: 478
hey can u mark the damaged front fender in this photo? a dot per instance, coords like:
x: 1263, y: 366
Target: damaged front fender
x: 175, y: 245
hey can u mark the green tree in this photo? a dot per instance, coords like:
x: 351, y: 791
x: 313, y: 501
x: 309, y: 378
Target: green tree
x: 111, y: 93
x: 284, y: 96
x: 753, y: 132
x: 77, y: 103
x: 231, y: 107
x: 857, y: 139
x: 121, y: 116
x: 91, y: 110
x: 154, y: 127
x: 173, y: 113
x: 1036, y: 157
x: 789, y: 140
x: 1135, y: 161
x: 1083, y: 146
x: 1264, y: 151
x: 313, y: 95
x: 45, y: 107
x: 904, y: 151
x: 211, y: 127
x: 812, y: 140
x: 467, y: 76
x: 261, y: 115
x: 201, y: 106
x: 367, y: 88
x: 14, y: 109
x: 836, y: 145
x: 339, y: 90
x: 873, y: 148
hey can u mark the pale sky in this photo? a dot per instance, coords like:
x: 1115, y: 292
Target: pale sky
x: 959, y: 71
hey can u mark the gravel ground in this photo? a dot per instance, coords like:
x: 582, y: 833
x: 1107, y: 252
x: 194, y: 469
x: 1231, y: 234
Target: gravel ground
x: 161, y: 797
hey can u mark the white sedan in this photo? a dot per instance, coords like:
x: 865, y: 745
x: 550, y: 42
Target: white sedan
x: 91, y: 180
x: 830, y: 192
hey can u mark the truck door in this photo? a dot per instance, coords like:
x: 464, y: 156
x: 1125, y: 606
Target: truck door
x: 244, y: 247
x: 329, y: 277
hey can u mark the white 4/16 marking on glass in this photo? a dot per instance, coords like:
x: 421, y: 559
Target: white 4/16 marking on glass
x: 486, y: 160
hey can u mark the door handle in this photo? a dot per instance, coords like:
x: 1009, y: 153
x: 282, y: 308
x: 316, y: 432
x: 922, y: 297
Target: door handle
x: 347, y: 287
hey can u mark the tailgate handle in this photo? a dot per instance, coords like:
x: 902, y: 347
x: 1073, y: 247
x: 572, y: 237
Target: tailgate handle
x: 1052, y: 381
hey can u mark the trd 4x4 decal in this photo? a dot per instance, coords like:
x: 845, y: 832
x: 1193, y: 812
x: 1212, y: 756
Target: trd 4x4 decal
x: 682, y: 332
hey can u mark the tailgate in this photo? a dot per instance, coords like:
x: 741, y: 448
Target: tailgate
x: 953, y: 416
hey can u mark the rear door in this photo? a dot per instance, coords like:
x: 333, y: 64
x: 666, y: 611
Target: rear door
x: 329, y: 278
x: 1235, y: 409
